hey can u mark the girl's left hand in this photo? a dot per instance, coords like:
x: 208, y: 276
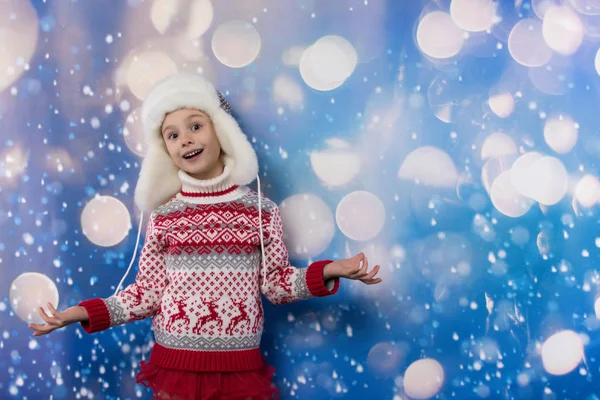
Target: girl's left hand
x: 351, y: 268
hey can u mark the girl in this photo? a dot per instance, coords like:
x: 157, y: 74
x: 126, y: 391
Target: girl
x: 200, y: 274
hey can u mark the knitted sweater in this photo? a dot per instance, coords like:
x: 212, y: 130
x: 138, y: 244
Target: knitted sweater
x: 200, y: 278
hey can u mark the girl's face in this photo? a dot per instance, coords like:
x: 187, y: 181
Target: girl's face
x: 192, y: 143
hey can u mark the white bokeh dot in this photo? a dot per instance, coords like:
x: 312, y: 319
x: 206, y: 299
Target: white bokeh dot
x: 384, y: 358
x: 561, y: 133
x: 360, y: 215
x: 337, y: 165
x: 562, y: 352
x: 105, y: 221
x: 562, y: 30
x: 236, y: 43
x: 549, y: 180
x: 429, y: 166
x: 146, y: 69
x: 521, y: 176
x: 473, y: 15
x: 19, y: 34
x: 309, y: 225
x: 498, y: 145
x: 502, y: 104
x: 507, y: 199
x: 438, y: 36
x: 423, y: 379
x: 201, y: 15
x: 133, y: 133
x: 328, y: 63
x: 587, y: 191
x: 526, y: 44
x: 30, y: 291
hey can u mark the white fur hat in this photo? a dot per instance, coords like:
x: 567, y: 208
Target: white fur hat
x: 158, y: 180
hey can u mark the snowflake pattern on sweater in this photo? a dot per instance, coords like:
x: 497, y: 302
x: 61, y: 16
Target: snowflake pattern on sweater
x: 200, y: 280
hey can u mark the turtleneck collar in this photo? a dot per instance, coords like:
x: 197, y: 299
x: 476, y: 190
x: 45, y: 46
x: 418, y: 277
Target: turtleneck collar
x: 215, y: 187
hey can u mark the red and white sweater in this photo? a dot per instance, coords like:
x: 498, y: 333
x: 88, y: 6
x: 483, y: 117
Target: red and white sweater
x: 200, y: 279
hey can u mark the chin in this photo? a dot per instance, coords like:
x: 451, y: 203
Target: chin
x: 199, y: 172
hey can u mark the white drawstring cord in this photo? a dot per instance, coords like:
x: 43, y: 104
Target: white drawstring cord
x: 137, y: 243
x: 262, y: 244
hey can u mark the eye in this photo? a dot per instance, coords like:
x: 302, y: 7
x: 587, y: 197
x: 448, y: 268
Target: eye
x: 196, y: 127
x: 172, y: 135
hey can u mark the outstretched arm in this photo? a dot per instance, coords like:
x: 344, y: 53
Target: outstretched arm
x: 58, y: 319
x: 137, y: 301
x: 286, y: 284
x: 355, y: 268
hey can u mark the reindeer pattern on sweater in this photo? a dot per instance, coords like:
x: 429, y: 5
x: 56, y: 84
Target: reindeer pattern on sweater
x: 200, y: 275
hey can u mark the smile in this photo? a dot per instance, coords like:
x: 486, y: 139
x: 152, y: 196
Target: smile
x: 193, y: 154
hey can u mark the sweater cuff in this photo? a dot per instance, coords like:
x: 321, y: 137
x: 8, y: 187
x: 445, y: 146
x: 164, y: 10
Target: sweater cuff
x: 99, y: 316
x: 315, y: 283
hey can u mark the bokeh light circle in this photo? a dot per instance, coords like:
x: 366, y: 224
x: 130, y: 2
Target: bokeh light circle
x: 19, y: 27
x: 549, y: 180
x: 147, y: 69
x: 502, y: 104
x: 423, y: 379
x: 521, y: 176
x: 597, y: 62
x: 429, y: 166
x: 561, y: 134
x: 473, y: 15
x: 236, y: 43
x: 562, y: 30
x: 308, y: 225
x: 562, y: 352
x: 360, y: 215
x: 337, y: 165
x: 438, y: 36
x: 587, y: 191
x: 498, y: 145
x: 105, y: 221
x: 328, y: 63
x: 384, y: 358
x: 507, y: 199
x: 30, y: 291
x: 133, y: 133
x: 526, y: 44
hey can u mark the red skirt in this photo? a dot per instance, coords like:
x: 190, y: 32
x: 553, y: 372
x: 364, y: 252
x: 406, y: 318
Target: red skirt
x: 186, y: 385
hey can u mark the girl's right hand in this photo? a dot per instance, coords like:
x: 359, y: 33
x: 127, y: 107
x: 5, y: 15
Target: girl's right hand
x: 59, y: 319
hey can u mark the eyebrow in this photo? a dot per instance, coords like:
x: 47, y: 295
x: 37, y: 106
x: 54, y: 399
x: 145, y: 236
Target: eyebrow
x: 189, y: 117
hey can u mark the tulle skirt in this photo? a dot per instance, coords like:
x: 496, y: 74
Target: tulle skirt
x: 188, y: 385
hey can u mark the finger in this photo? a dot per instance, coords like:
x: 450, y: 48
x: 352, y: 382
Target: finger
x: 365, y: 266
x: 357, y: 259
x: 52, y: 309
x: 41, y: 329
x: 43, y: 314
x: 360, y: 256
x: 362, y: 272
x: 47, y: 319
x: 371, y: 281
x: 373, y: 272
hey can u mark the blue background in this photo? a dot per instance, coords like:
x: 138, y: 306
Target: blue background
x: 309, y: 343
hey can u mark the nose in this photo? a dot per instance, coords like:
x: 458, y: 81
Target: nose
x: 186, y: 139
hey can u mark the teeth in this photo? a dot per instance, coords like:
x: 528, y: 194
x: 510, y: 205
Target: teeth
x: 192, y: 154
